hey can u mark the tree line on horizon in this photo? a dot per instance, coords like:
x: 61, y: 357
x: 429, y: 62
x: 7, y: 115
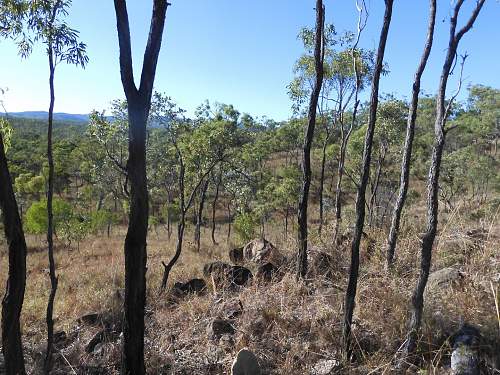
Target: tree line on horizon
x: 149, y: 164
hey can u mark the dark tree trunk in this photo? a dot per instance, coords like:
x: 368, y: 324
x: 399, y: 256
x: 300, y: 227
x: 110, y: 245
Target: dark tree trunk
x: 178, y: 250
x: 308, y: 138
x: 50, y: 222
x: 199, y: 214
x: 442, y: 111
x: 410, y: 134
x: 12, y: 302
x: 361, y: 199
x: 322, y: 182
x: 214, y: 205
x: 139, y: 103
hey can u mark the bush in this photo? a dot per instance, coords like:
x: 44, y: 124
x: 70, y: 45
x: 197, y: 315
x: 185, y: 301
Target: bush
x: 36, y: 216
x: 245, y: 225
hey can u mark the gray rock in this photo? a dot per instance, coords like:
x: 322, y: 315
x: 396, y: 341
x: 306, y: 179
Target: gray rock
x: 465, y: 355
x: 443, y: 277
x: 325, y: 367
x: 219, y: 327
x: 261, y: 251
x: 245, y: 363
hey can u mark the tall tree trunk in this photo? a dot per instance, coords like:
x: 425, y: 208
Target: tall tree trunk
x: 50, y: 222
x: 199, y: 214
x: 214, y: 205
x: 350, y: 296
x: 372, y: 206
x: 442, y: 111
x: 319, y: 51
x: 322, y: 183
x: 139, y: 103
x: 12, y: 302
x: 408, y: 146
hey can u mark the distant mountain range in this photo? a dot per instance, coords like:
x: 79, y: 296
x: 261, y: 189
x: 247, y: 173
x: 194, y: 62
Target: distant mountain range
x: 43, y: 115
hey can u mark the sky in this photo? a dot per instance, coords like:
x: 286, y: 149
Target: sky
x: 240, y: 52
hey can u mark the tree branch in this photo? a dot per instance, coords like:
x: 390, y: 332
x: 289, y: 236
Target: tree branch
x: 126, y: 69
x: 153, y: 47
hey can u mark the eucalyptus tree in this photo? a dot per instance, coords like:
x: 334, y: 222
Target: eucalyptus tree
x: 139, y: 104
x: 410, y: 134
x: 319, y: 55
x: 443, y: 108
x: 199, y: 146
x: 347, y: 70
x: 350, y: 296
x: 12, y: 303
x: 43, y: 21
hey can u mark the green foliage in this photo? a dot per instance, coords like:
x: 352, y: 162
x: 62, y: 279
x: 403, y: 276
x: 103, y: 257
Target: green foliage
x: 36, y: 216
x: 245, y: 225
x: 5, y: 133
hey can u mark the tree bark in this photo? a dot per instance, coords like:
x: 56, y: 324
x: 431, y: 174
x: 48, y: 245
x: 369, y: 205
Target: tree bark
x: 50, y: 218
x: 214, y: 205
x: 361, y: 199
x: 199, y: 214
x: 417, y: 301
x: 322, y: 182
x: 139, y: 103
x: 408, y: 146
x: 308, y: 138
x: 12, y: 302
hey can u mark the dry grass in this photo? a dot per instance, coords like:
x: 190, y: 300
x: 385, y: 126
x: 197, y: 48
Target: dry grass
x: 289, y: 325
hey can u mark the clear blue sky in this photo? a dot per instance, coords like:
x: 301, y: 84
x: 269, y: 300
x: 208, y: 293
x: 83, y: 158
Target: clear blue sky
x: 239, y: 52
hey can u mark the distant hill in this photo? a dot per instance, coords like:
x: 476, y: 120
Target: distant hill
x: 59, y: 116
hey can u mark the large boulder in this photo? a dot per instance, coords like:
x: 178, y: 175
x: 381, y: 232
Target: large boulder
x: 268, y: 272
x: 245, y: 363
x: 465, y: 355
x: 321, y: 264
x: 224, y: 275
x: 442, y: 278
x: 236, y: 255
x: 261, y: 251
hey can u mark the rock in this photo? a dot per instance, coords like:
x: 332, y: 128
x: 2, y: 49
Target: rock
x: 232, y: 309
x: 261, y: 251
x: 465, y: 355
x: 443, y: 277
x: 239, y: 275
x: 193, y: 286
x: 236, y: 255
x: 245, y: 363
x: 325, y: 367
x: 96, y: 340
x: 91, y: 318
x: 215, y: 267
x: 219, y: 327
x: 225, y: 275
x: 321, y: 263
x: 267, y: 272
x: 103, y: 336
